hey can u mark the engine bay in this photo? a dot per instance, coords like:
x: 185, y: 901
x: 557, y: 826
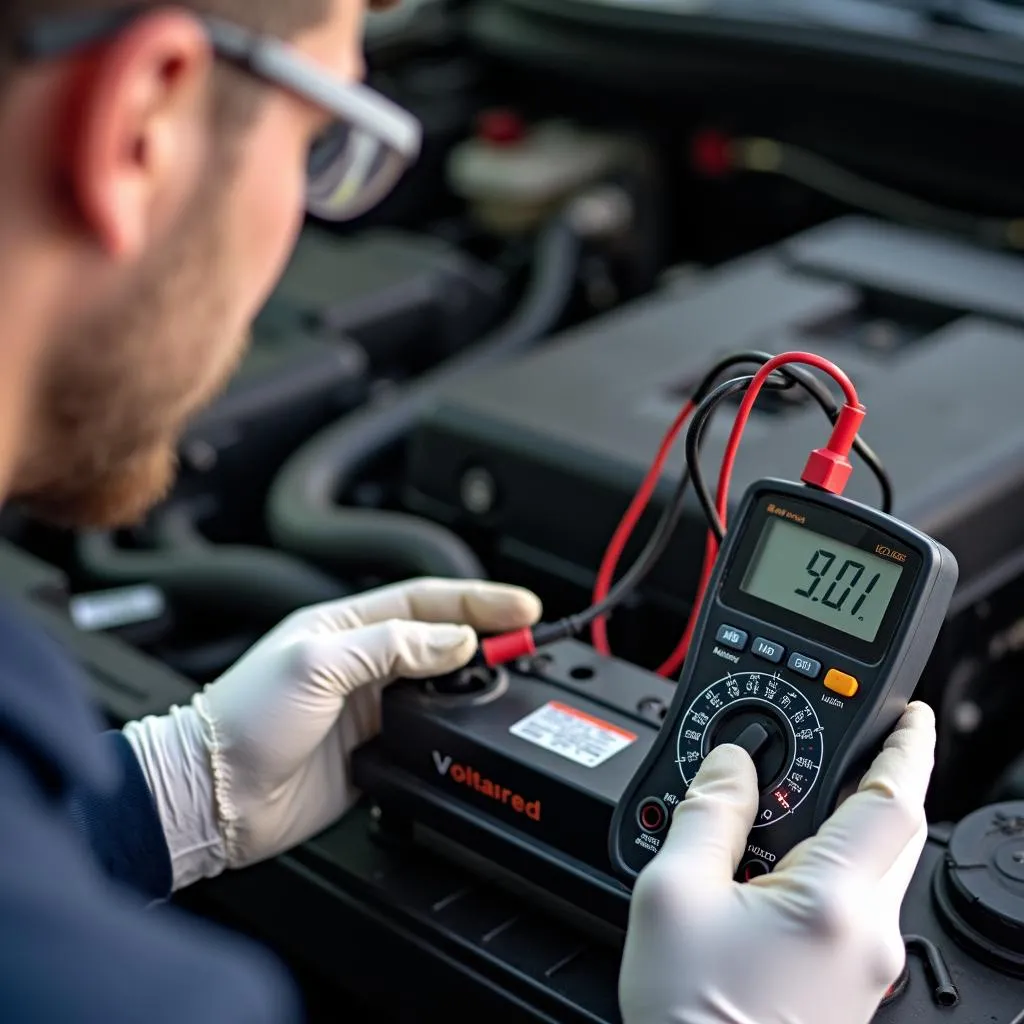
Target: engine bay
x: 473, y: 379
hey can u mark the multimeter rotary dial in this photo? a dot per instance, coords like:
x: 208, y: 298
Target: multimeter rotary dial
x: 788, y: 759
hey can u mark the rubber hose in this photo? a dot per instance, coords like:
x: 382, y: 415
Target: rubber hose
x: 303, y: 516
x: 257, y: 583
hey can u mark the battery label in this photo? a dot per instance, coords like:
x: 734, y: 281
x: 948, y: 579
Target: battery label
x: 572, y: 734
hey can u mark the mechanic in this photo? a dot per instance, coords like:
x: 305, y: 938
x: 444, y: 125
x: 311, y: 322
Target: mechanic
x: 150, y: 192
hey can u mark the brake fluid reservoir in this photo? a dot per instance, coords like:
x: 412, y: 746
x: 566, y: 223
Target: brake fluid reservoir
x: 514, y: 175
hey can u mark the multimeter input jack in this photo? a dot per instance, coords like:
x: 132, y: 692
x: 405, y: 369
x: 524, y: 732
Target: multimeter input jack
x: 652, y: 815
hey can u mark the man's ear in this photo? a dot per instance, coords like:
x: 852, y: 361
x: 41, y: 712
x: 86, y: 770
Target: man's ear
x: 140, y: 129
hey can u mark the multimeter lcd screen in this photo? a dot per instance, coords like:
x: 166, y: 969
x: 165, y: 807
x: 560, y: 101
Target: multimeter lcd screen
x: 822, y: 579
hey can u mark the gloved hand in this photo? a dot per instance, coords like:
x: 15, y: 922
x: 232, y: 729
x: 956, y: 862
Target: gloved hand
x: 818, y: 939
x: 259, y: 761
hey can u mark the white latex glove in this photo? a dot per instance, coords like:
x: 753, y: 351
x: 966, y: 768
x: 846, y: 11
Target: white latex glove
x: 259, y: 761
x: 817, y: 941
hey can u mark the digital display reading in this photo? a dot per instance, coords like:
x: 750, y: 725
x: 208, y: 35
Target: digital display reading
x: 822, y: 579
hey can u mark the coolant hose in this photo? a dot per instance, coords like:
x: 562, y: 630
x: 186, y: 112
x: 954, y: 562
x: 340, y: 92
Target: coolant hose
x: 303, y: 515
x: 246, y: 581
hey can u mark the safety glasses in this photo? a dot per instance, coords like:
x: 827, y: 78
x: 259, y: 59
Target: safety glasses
x: 353, y: 165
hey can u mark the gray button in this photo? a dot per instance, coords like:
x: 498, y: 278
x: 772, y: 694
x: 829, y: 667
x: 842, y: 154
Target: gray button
x: 805, y: 666
x: 768, y: 650
x: 730, y: 636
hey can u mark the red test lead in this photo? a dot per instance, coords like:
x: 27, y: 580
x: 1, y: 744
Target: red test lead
x: 829, y: 468
x: 498, y: 650
x: 825, y: 463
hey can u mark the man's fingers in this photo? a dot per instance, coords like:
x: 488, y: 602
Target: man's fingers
x: 710, y: 827
x: 871, y: 830
x: 487, y: 607
x: 380, y: 653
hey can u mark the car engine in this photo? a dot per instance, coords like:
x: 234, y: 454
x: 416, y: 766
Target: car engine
x: 472, y: 381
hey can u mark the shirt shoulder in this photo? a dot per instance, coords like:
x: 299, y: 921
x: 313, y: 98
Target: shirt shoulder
x: 48, y: 725
x: 76, y: 948
x: 77, y: 945
x: 45, y: 713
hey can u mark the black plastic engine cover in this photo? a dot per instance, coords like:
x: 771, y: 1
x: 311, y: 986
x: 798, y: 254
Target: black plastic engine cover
x: 545, y: 454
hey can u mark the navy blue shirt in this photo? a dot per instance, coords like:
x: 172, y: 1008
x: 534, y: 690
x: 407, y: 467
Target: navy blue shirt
x: 82, y: 860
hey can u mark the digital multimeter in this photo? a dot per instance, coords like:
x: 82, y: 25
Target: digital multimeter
x: 814, y: 631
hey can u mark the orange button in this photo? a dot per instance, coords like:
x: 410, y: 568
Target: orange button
x: 841, y: 683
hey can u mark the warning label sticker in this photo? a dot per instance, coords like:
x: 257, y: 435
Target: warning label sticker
x: 572, y: 734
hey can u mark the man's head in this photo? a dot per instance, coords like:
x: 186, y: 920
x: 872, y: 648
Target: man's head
x: 153, y: 183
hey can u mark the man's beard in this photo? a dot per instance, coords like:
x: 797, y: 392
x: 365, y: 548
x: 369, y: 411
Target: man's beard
x: 119, y: 498
x: 117, y: 391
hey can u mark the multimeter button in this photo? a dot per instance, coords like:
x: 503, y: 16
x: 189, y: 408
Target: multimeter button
x: 841, y: 683
x: 804, y: 666
x: 768, y: 650
x: 652, y: 815
x: 753, y: 869
x: 730, y: 636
